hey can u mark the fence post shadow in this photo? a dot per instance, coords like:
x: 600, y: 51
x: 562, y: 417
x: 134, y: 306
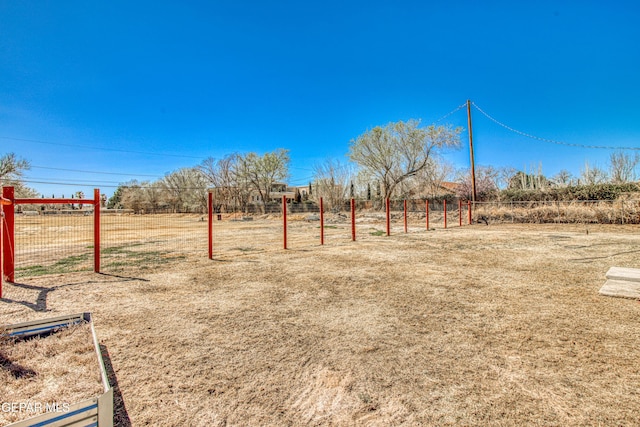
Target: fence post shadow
x: 40, y: 304
x: 120, y: 414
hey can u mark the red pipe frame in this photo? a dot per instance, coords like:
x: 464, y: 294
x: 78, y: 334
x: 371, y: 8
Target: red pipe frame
x: 444, y: 203
x: 3, y: 202
x: 284, y: 219
x: 8, y: 220
x: 388, y: 217
x: 8, y: 238
x: 210, y: 231
x: 353, y: 220
x: 1, y: 237
x: 321, y: 222
x: 96, y: 230
x: 427, y: 213
x: 53, y: 201
x: 405, y: 216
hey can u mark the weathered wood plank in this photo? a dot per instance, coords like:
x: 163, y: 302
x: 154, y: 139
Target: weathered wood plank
x: 621, y: 288
x: 623, y: 273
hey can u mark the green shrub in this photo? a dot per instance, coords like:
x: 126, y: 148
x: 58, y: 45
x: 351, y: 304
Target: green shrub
x: 577, y: 192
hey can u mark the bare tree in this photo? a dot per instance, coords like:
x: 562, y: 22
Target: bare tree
x: 186, y: 190
x: 130, y: 196
x: 79, y: 195
x: 12, y: 170
x: 562, y: 178
x: 487, y: 178
x: 262, y: 172
x: 590, y: 175
x: 505, y: 173
x: 622, y: 167
x: 400, y: 150
x: 227, y: 185
x: 12, y: 167
x: 153, y: 196
x: 332, y: 182
x: 430, y: 179
x: 242, y: 187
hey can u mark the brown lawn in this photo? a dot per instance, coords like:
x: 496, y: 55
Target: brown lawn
x: 481, y: 325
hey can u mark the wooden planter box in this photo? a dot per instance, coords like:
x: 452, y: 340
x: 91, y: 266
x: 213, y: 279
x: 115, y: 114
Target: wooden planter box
x: 97, y: 411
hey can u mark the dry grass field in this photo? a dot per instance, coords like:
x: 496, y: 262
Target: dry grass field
x: 497, y: 325
x: 58, y: 368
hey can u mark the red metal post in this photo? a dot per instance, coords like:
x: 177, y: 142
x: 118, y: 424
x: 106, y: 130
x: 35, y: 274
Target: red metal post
x: 8, y: 235
x: 2, y: 203
x: 8, y: 242
x: 405, y: 215
x: 96, y: 230
x: 427, y: 211
x: 43, y: 200
x: 388, y: 217
x: 284, y: 219
x: 210, y: 225
x: 460, y: 211
x: 444, y: 203
x: 469, y: 211
x: 1, y: 238
x: 321, y: 222
x: 353, y: 220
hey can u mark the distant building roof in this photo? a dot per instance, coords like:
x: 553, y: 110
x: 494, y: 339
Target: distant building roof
x: 451, y: 186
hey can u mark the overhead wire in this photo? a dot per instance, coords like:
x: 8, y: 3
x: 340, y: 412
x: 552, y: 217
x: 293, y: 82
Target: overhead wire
x: 68, y: 184
x: 458, y: 108
x: 71, y: 181
x: 117, y: 150
x: 112, y: 184
x: 95, y: 172
x: 547, y: 140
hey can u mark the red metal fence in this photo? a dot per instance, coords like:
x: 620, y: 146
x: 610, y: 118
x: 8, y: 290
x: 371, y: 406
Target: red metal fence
x: 118, y: 240
x: 41, y: 236
x: 347, y: 220
x: 8, y: 243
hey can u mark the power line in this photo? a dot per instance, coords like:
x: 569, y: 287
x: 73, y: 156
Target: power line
x: 72, y: 181
x: 551, y: 141
x: 127, y: 174
x: 113, y: 150
x: 458, y: 108
x: 95, y: 172
x: 81, y: 184
x: 146, y: 153
x: 68, y: 184
x: 301, y: 181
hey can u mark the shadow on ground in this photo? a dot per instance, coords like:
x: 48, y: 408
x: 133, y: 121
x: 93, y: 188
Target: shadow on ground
x: 120, y: 414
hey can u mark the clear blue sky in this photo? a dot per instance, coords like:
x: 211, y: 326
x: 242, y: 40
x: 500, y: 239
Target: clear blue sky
x: 188, y: 80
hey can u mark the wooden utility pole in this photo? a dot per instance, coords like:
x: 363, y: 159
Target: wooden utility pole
x: 473, y: 167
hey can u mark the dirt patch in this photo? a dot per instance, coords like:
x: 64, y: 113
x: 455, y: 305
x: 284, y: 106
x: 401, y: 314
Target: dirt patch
x: 480, y: 325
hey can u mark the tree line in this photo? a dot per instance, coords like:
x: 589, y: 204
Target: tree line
x: 397, y: 160
x: 592, y: 183
x: 233, y: 179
